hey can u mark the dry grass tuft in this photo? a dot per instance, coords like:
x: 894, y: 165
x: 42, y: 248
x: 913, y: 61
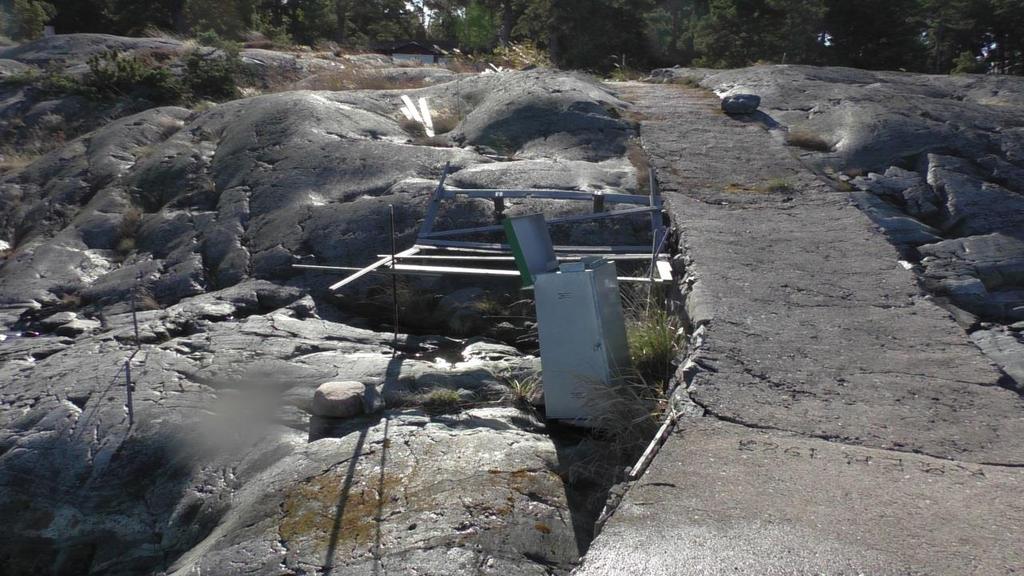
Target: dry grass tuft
x: 626, y: 414
x: 687, y: 81
x: 445, y: 121
x: 442, y: 401
x: 16, y: 161
x: 807, y: 141
x: 353, y: 78
x: 131, y: 221
x: 637, y: 156
x: 776, y: 186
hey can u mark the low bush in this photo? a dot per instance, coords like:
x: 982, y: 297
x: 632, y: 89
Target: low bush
x: 520, y: 55
x: 115, y: 74
x: 213, y: 75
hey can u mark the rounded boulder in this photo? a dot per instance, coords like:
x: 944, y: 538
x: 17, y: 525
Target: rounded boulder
x: 343, y: 399
x: 741, y: 104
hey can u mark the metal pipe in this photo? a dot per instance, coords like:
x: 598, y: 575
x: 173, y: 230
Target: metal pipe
x: 129, y: 388
x: 394, y: 277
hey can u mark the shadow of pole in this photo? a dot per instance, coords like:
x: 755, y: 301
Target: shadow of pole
x: 339, y: 509
x: 378, y: 564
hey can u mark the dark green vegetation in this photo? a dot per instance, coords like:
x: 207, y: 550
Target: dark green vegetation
x: 937, y: 36
x: 208, y: 74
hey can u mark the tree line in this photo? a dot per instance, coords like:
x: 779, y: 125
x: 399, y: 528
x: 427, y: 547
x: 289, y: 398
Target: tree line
x: 936, y: 36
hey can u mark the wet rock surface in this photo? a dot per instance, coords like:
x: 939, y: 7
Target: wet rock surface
x: 198, y: 217
x: 833, y: 418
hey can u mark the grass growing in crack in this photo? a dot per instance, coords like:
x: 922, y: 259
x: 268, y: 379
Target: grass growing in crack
x: 688, y: 81
x: 776, y: 186
x: 625, y: 413
x: 131, y: 221
x: 653, y: 345
x: 443, y: 122
x: 654, y: 334
x: 523, y: 389
x: 808, y: 141
x: 490, y: 306
x: 442, y: 401
x: 637, y: 156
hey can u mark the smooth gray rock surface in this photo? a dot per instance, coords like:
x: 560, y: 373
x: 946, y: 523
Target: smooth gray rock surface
x: 218, y: 457
x: 880, y: 118
x: 200, y: 215
x: 78, y: 48
x: 1006, y: 347
x: 247, y: 187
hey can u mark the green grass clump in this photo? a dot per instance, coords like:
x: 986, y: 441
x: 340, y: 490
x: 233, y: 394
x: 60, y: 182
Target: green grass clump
x: 653, y: 344
x: 654, y: 334
x: 522, y: 390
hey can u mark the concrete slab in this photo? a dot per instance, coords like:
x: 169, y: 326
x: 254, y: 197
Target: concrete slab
x: 727, y: 499
x: 850, y: 426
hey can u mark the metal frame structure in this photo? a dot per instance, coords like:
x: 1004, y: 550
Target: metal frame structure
x: 445, y: 246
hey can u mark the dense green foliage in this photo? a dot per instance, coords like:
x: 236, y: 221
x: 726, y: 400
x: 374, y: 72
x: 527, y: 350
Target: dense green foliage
x: 922, y: 35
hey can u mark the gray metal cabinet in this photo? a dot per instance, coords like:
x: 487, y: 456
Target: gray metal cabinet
x: 582, y: 335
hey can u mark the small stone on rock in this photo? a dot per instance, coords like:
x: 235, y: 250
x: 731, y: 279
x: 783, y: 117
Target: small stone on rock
x: 77, y: 326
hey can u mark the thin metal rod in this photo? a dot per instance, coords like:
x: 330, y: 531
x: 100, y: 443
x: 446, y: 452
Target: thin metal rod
x: 435, y: 202
x: 551, y: 222
x: 129, y: 388
x: 364, y: 271
x: 547, y: 195
x: 414, y: 270
x: 135, y: 318
x: 394, y: 277
x: 566, y: 258
x: 635, y: 249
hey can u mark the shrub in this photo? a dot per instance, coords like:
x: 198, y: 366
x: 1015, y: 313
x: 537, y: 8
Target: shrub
x: 213, y: 76
x: 10, y: 161
x: 30, y: 16
x: 968, y: 63
x: 520, y: 55
x: 114, y: 74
